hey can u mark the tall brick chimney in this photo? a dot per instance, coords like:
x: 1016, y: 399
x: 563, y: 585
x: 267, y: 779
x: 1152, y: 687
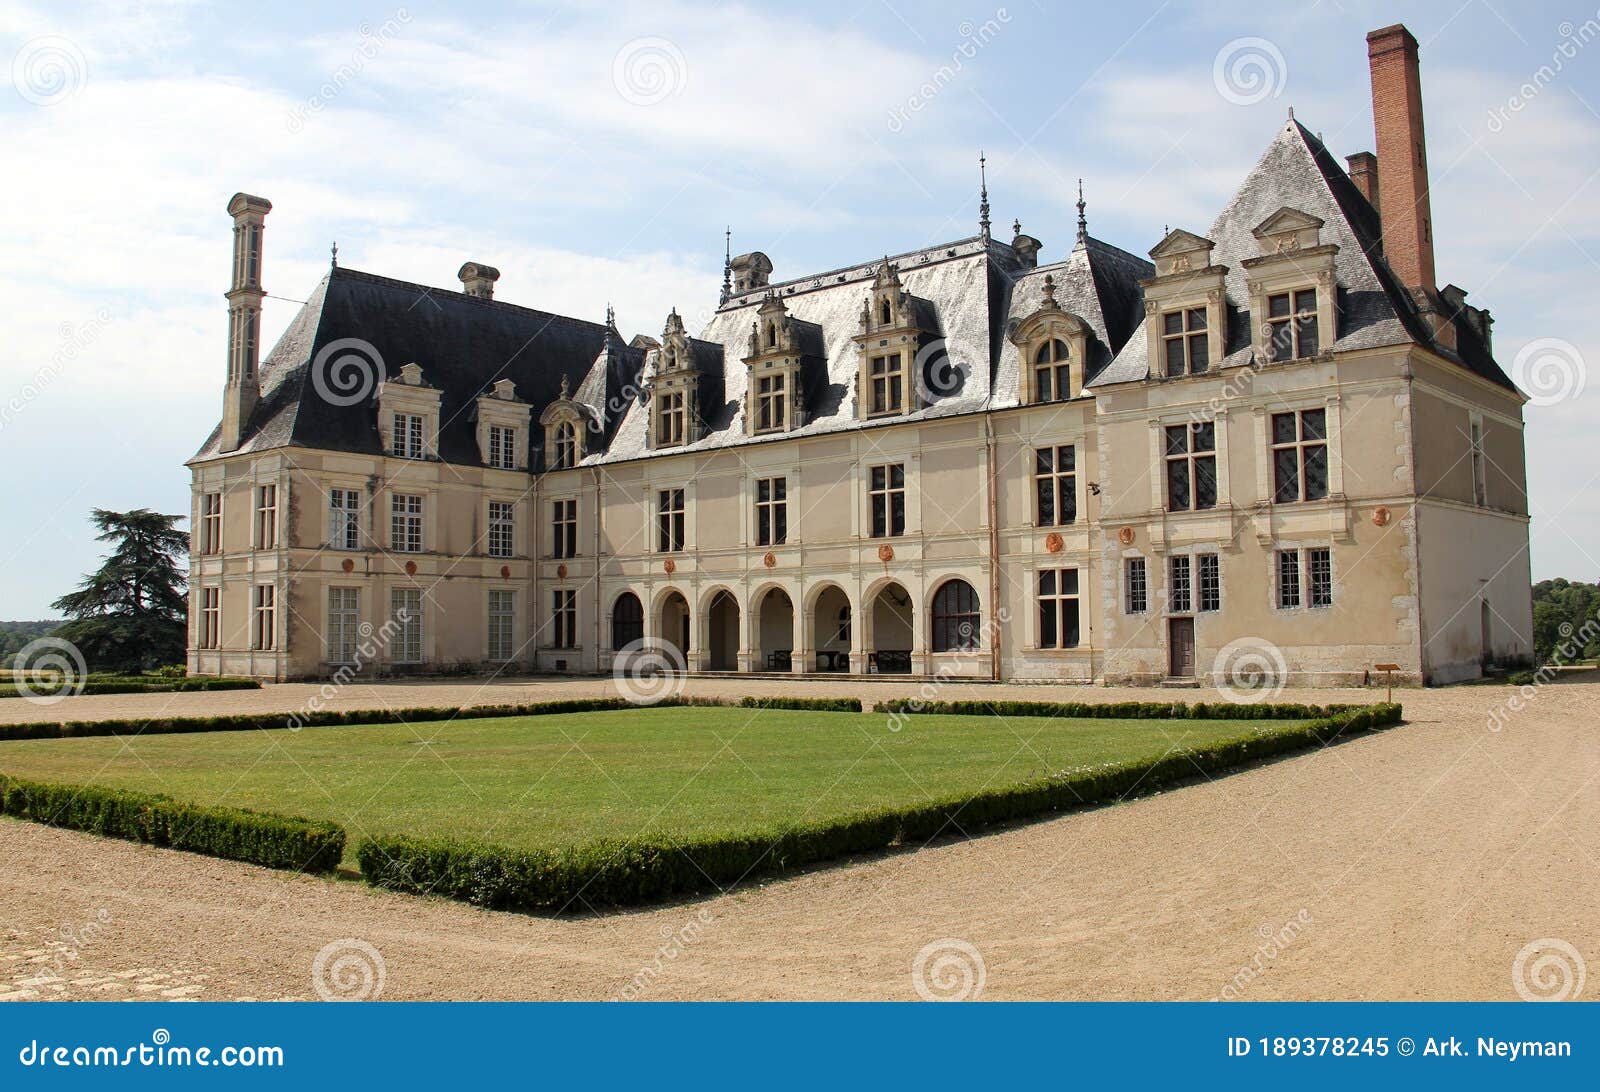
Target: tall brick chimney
x: 1402, y: 157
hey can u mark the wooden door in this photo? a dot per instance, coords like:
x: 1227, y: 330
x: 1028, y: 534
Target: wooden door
x: 1180, y: 648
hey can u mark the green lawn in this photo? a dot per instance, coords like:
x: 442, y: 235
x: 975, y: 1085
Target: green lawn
x: 551, y: 780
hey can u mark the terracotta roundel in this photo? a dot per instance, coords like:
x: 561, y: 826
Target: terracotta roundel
x: 1053, y: 543
x: 411, y: 568
x: 670, y: 566
x: 886, y: 552
x: 1125, y: 536
x: 1380, y: 515
x: 561, y: 572
x: 770, y: 560
x: 348, y: 565
x: 505, y: 572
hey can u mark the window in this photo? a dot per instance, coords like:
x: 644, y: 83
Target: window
x: 405, y: 612
x: 669, y: 520
x: 1136, y: 586
x: 1210, y: 576
x: 671, y: 420
x: 1180, y: 592
x: 772, y: 511
x: 564, y: 615
x: 955, y: 617
x: 502, y: 624
x: 1480, y: 479
x: 1055, y: 482
x: 408, y: 435
x: 1288, y: 579
x: 886, y: 385
x: 405, y: 523
x: 888, y: 493
x: 502, y: 528
x: 210, y: 635
x: 1185, y: 341
x: 1319, y: 566
x: 1052, y: 375
x: 263, y: 627
x: 1292, y: 325
x: 266, y: 517
x: 344, y: 620
x: 770, y: 400
x: 211, y: 523
x: 627, y: 621
x: 344, y: 519
x: 1058, y: 608
x: 564, y: 528
x: 1191, y: 466
x: 503, y: 446
x: 1299, y: 456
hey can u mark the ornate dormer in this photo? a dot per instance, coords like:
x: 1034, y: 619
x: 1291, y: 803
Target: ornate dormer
x: 502, y: 427
x: 774, y: 388
x: 749, y: 271
x: 674, y: 388
x: 1054, y: 345
x: 408, y: 415
x: 891, y: 335
x: 1185, y: 307
x: 1291, y: 287
x: 564, y: 422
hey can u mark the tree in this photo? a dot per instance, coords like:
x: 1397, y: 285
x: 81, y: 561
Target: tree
x: 131, y: 614
x: 1575, y: 605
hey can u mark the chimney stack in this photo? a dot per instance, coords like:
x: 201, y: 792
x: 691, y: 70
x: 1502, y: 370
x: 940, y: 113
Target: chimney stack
x: 1403, y: 157
x: 1364, y: 173
x: 478, y: 279
x: 243, y: 388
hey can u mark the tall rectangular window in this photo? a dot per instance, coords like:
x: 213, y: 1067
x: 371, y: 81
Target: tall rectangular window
x: 211, y: 523
x: 671, y: 420
x: 1305, y: 577
x: 210, y: 635
x: 264, y: 625
x: 1299, y: 456
x: 886, y: 385
x: 772, y: 511
x: 1288, y: 579
x: 1191, y: 457
x: 1052, y: 372
x: 564, y: 528
x: 502, y: 528
x: 1136, y: 585
x: 405, y: 613
x: 344, y: 621
x: 405, y: 523
x: 1185, y: 341
x: 1180, y: 589
x: 1292, y: 325
x: 1480, y: 478
x: 1210, y: 580
x: 1319, y: 577
x: 1055, y: 485
x: 408, y: 435
x: 887, y: 492
x: 669, y: 521
x: 564, y: 618
x: 502, y: 624
x: 1058, y: 608
x: 266, y: 517
x: 344, y: 519
x: 771, y: 403
x: 502, y: 447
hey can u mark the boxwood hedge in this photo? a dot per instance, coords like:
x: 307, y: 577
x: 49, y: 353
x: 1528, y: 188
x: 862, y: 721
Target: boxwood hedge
x: 274, y: 841
x: 654, y: 868
x: 1117, y: 710
x: 141, y: 685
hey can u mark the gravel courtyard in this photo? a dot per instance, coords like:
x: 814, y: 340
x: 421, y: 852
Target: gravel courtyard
x: 1416, y: 863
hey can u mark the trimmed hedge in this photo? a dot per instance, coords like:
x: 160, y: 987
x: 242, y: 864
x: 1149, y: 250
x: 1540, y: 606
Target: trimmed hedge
x: 274, y: 841
x: 1117, y: 710
x: 648, y: 870
x: 820, y: 705
x: 140, y: 686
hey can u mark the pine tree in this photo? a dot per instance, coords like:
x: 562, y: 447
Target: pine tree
x: 131, y: 614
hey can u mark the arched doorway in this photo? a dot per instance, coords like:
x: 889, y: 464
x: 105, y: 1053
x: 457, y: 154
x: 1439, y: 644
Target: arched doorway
x: 889, y: 641
x: 831, y: 625
x: 775, y: 632
x: 722, y: 636
x: 957, y: 620
x: 674, y: 625
x: 627, y: 621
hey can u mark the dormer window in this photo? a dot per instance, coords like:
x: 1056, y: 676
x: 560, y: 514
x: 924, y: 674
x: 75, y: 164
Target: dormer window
x: 775, y: 368
x: 1054, y: 346
x: 671, y: 420
x: 770, y: 400
x: 1185, y: 341
x: 885, y: 315
x: 408, y: 415
x: 772, y: 335
x: 1052, y: 372
x: 886, y: 384
x: 408, y: 435
x: 1291, y: 287
x: 1186, y: 307
x: 1292, y: 325
x: 502, y: 447
x: 895, y: 328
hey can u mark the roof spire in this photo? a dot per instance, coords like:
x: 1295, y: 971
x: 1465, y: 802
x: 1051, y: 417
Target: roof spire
x: 983, y: 197
x: 727, y: 263
x: 335, y: 255
x: 611, y: 318
x: 1083, y: 221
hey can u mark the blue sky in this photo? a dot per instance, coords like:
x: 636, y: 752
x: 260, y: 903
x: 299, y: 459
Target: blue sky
x: 594, y: 154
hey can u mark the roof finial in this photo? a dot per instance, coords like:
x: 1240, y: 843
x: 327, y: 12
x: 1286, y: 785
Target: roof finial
x: 611, y: 318
x: 1291, y: 113
x: 335, y: 254
x: 1083, y: 221
x: 983, y: 197
x: 1016, y: 226
x: 727, y: 263
x: 1050, y: 289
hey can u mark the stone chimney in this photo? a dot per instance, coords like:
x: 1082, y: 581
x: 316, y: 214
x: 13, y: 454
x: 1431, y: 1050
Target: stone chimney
x: 1402, y: 157
x: 1364, y: 173
x: 478, y: 279
x: 243, y: 388
x: 750, y: 271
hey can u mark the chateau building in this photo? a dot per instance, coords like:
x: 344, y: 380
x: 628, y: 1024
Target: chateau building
x: 1275, y: 443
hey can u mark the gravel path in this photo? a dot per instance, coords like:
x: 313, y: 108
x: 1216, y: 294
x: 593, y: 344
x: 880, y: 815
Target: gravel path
x: 1416, y: 863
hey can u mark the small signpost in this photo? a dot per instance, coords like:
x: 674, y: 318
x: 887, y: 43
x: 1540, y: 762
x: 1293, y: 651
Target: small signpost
x: 1388, y: 679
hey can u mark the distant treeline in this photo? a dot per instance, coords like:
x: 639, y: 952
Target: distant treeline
x: 15, y: 635
x: 1564, y: 613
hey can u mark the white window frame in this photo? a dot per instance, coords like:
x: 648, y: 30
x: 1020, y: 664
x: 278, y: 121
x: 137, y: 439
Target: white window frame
x: 344, y: 518
x: 501, y: 529
x: 266, y: 523
x: 503, y: 447
x: 210, y: 631
x: 264, y: 618
x: 344, y: 624
x: 887, y: 492
x: 768, y: 511
x: 211, y: 523
x: 409, y: 435
x: 407, y: 646
x: 1136, y: 580
x: 564, y: 527
x: 407, y: 526
x: 501, y: 612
